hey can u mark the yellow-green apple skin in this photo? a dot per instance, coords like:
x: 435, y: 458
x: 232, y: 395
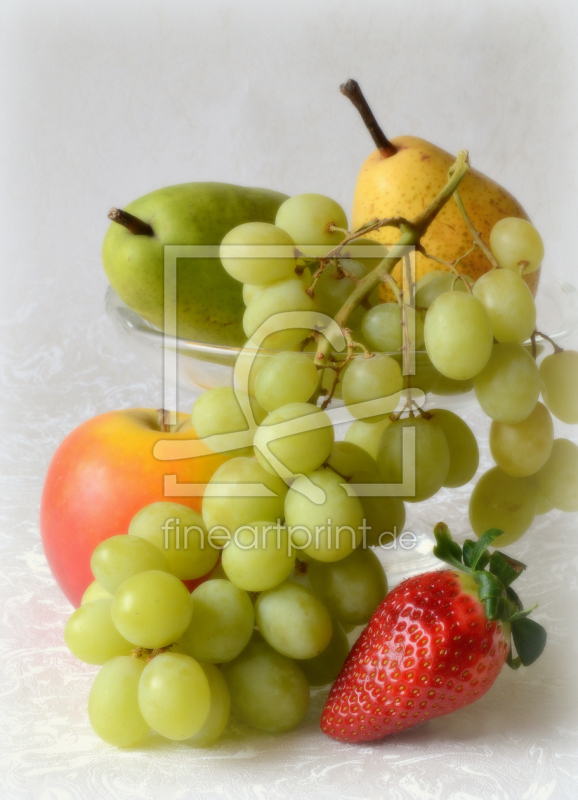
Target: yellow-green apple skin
x: 100, y: 476
x: 209, y: 302
x: 403, y: 184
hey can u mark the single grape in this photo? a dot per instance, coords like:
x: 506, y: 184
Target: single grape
x: 276, y: 299
x: 258, y: 253
x: 286, y: 378
x: 366, y: 434
x: 464, y: 451
x: 501, y: 501
x: 523, y: 448
x: 119, y: 557
x: 383, y: 331
x: 219, y: 709
x: 350, y: 461
x: 508, y: 387
x: 152, y: 609
x: 307, y: 218
x: 113, y: 708
x: 447, y: 387
x: 324, y: 668
x: 94, y: 591
x: 325, y: 529
x: 351, y: 588
x: 249, y: 292
x: 258, y: 557
x: 517, y: 245
x: 224, y: 410
x: 509, y: 304
x: 458, y: 335
x: 436, y: 282
x: 384, y: 519
x: 557, y: 481
x: 174, y: 695
x: 559, y: 376
x: 91, y: 635
x: 427, y: 462
x: 222, y: 623
x: 365, y: 251
x: 293, y: 621
x: 268, y: 690
x: 180, y: 533
x: 372, y: 387
x: 263, y: 499
x: 298, y: 435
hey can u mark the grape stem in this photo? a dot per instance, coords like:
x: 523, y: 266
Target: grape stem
x: 411, y: 233
x: 338, y: 368
x: 557, y: 348
x: 451, y: 265
x: 472, y: 229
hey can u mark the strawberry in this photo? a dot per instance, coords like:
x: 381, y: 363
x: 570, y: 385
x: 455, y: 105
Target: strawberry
x: 434, y: 645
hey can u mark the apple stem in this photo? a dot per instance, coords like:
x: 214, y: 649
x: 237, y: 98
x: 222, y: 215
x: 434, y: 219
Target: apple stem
x: 352, y: 90
x: 135, y: 225
x: 164, y: 419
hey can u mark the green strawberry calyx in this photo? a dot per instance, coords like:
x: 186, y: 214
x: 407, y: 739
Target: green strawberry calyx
x: 494, y: 573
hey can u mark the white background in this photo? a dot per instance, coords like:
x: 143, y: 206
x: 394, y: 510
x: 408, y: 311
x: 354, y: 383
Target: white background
x: 103, y: 102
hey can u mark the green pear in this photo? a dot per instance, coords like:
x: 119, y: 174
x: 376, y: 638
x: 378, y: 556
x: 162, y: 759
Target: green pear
x: 209, y: 302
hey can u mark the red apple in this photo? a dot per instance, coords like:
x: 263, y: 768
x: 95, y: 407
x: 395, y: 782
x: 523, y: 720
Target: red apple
x: 102, y: 474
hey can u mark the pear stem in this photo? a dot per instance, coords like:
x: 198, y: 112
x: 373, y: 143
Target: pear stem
x: 135, y: 225
x: 411, y: 233
x: 352, y: 90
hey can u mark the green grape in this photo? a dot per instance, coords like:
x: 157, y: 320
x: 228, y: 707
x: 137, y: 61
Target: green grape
x: 464, y: 451
x: 428, y: 462
x: 222, y: 623
x: 366, y: 434
x: 174, y: 695
x: 350, y: 460
x: 523, y: 448
x: 543, y: 506
x: 258, y: 253
x: 509, y: 304
x: 447, y: 387
x: 258, y: 557
x: 286, y: 378
x: 517, y: 245
x: 436, y: 282
x: 222, y: 508
x: 94, y: 591
x: 307, y: 219
x: 91, y: 636
x: 458, y: 335
x: 152, y: 609
x: 351, y: 588
x: 325, y: 667
x: 382, y: 328
x: 268, y: 690
x: 384, y: 519
x: 180, y: 533
x: 225, y: 410
x: 559, y: 376
x: 249, y: 292
x: 113, y: 708
x: 334, y: 287
x: 219, y: 709
x: 248, y: 365
x: 366, y: 251
x: 275, y: 299
x: 502, y: 501
x: 508, y: 387
x: 293, y: 621
x: 298, y: 435
x: 326, y: 529
x: 557, y: 481
x: 372, y: 387
x: 119, y: 557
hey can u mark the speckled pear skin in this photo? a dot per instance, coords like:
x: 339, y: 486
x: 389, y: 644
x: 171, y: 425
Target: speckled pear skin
x: 405, y: 183
x: 209, y: 302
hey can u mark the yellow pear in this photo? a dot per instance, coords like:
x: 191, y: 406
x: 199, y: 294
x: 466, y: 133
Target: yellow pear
x: 402, y: 177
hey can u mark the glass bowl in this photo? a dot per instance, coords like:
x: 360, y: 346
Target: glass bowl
x: 200, y: 365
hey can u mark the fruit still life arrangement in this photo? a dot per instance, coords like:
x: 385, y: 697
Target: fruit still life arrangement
x: 227, y: 561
